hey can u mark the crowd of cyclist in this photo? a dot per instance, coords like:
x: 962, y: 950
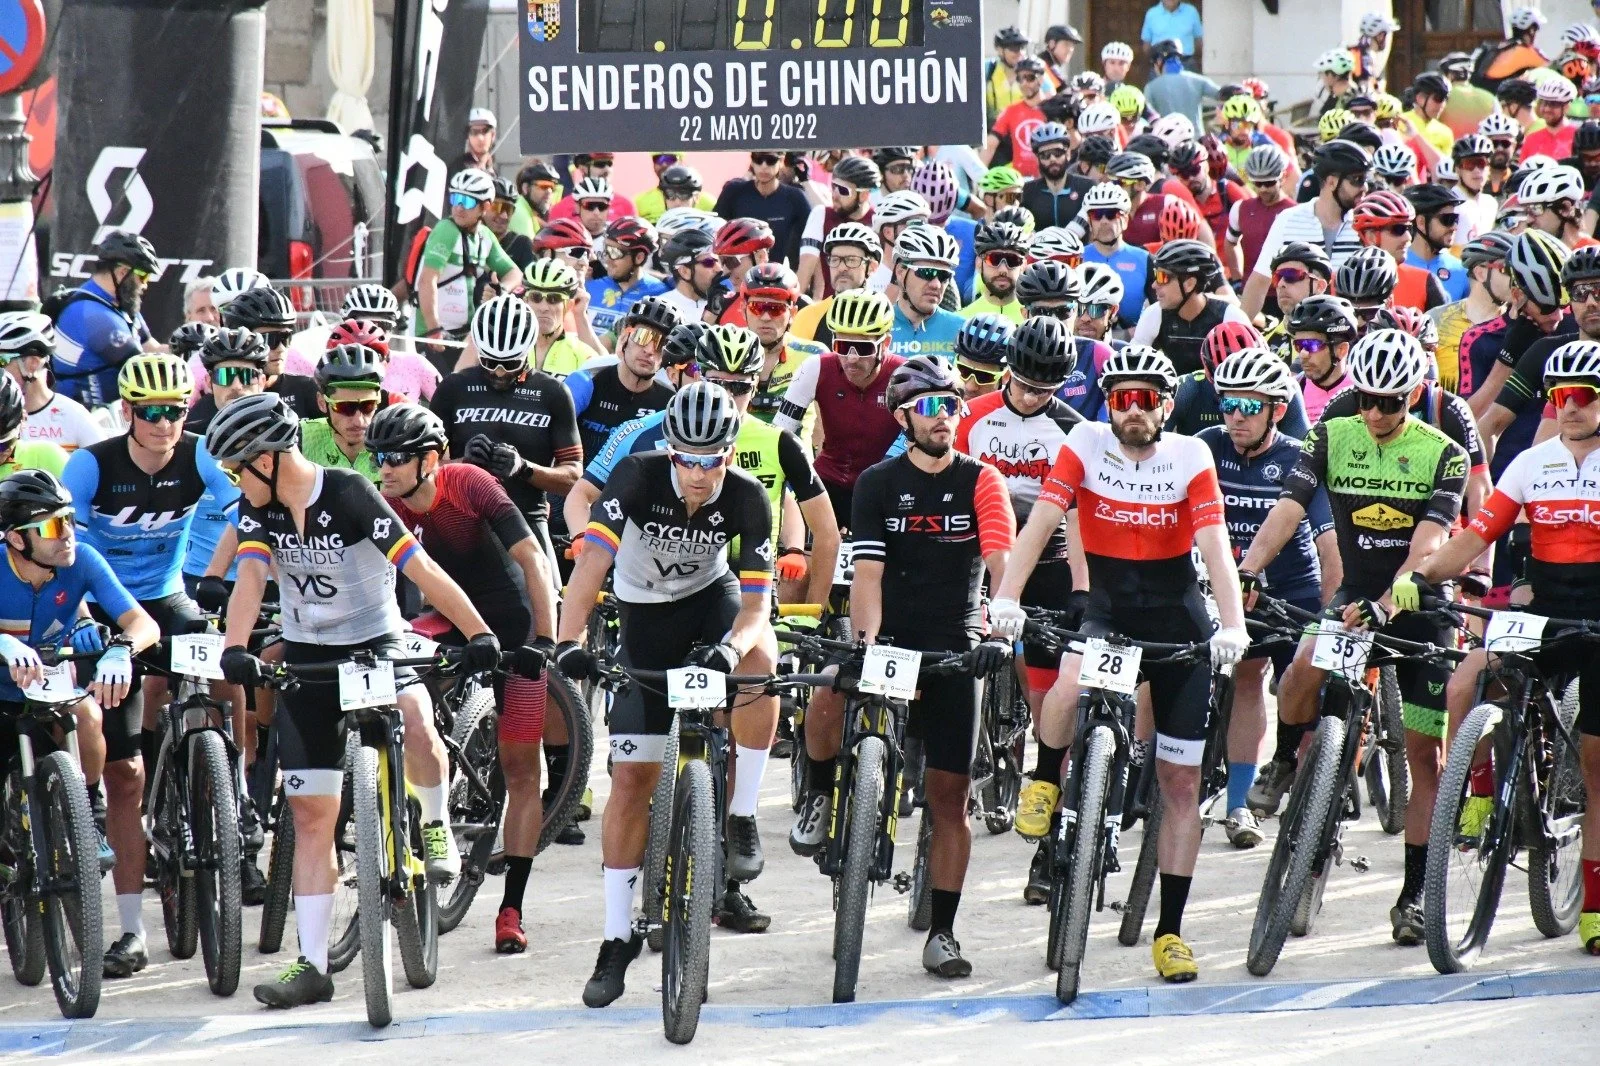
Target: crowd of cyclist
x: 1053, y: 372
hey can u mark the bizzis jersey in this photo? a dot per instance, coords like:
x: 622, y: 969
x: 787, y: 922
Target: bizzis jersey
x: 1022, y: 448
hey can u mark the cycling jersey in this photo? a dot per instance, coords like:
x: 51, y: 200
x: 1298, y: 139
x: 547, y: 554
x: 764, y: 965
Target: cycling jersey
x: 1021, y: 447
x: 1480, y: 350
x: 1249, y: 222
x: 42, y: 616
x: 33, y: 455
x: 93, y: 339
x: 1523, y: 392
x: 1562, y: 502
x: 1081, y: 390
x: 1250, y: 486
x: 1055, y: 207
x: 810, y: 323
x: 1181, y: 338
x: 602, y: 403
x: 1197, y: 406
x: 1418, y: 289
x: 63, y: 422
x: 1217, y: 207
x: 1133, y: 265
x: 985, y: 304
x: 1317, y: 397
x: 1449, y: 271
x: 931, y: 532
x: 1555, y: 143
x: 662, y: 552
x: 213, y: 514
x: 1144, y: 222
x: 1438, y: 408
x: 777, y: 369
x: 562, y: 357
x: 139, y: 521
x: 1454, y: 372
x: 609, y: 302
x: 935, y: 335
x: 459, y: 258
x: 335, y: 580
x: 1137, y: 520
x: 857, y: 426
x: 534, y: 416
x: 1014, y: 128
x: 318, y: 443
x: 1379, y: 493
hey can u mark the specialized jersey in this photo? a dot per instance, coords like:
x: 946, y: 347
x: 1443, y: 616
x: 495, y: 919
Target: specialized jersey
x: 534, y: 416
x: 777, y: 370
x: 1021, y: 447
x: 1379, y: 493
x: 42, y: 616
x: 602, y: 403
x: 931, y: 532
x: 609, y: 302
x: 63, y: 422
x: 662, y: 552
x: 1250, y: 487
x: 1137, y: 520
x: 857, y: 426
x: 139, y: 521
x: 318, y: 443
x: 1562, y: 502
x: 1197, y: 406
x: 335, y: 580
x: 1437, y: 407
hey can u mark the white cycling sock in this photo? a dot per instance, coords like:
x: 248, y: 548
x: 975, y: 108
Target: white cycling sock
x: 751, y: 764
x: 619, y: 902
x: 431, y: 798
x: 128, y: 910
x: 312, y: 914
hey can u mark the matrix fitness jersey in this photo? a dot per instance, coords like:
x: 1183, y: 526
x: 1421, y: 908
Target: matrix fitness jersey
x: 1562, y: 502
x: 1437, y: 407
x: 931, y: 532
x: 1250, y: 487
x: 602, y: 403
x: 42, y: 616
x: 1021, y: 447
x: 335, y: 580
x: 139, y: 521
x: 1137, y: 520
x: 662, y: 552
x: 534, y: 416
x: 857, y: 426
x: 1378, y: 494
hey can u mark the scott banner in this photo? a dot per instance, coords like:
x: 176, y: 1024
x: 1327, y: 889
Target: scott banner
x: 437, y: 44
x: 159, y: 134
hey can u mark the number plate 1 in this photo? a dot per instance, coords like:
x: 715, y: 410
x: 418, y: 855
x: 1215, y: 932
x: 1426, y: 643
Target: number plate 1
x: 198, y: 655
x: 891, y: 672
x: 366, y: 686
x: 56, y: 686
x: 695, y: 686
x: 1513, y: 631
x: 1342, y: 651
x: 1110, y: 666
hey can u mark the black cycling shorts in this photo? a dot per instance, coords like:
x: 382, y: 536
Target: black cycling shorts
x: 309, y: 734
x: 843, y: 499
x: 174, y: 614
x: 1282, y: 653
x: 1050, y: 587
x: 659, y: 636
x: 1422, y: 681
x: 1572, y: 660
x: 944, y: 716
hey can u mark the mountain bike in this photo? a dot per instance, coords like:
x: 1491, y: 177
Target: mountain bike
x: 1003, y: 724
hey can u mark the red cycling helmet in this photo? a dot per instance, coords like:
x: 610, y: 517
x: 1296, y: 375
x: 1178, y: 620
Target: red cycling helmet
x: 772, y: 281
x: 1382, y: 208
x: 1255, y: 87
x: 1216, y: 158
x: 742, y: 236
x: 1224, y: 340
x: 360, y: 331
x: 633, y: 233
x: 1179, y: 220
x: 562, y: 233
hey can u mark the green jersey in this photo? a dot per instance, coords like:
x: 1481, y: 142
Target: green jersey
x: 460, y: 260
x: 317, y: 443
x: 36, y: 455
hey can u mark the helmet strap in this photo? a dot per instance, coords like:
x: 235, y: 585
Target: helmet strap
x: 26, y: 551
x: 422, y: 478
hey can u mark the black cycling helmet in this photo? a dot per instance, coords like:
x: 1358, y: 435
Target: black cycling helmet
x: 126, y: 249
x: 1000, y: 237
x: 918, y: 376
x: 537, y: 171
x: 1583, y: 265
x: 654, y: 312
x: 29, y: 496
x: 1312, y: 255
x: 1171, y: 48
x: 682, y: 343
x: 1340, y: 156
x: 259, y: 309
x: 1043, y: 351
x: 229, y: 345
x: 187, y: 338
x: 12, y: 408
x: 1185, y: 259
x: 1047, y: 280
x: 1362, y: 135
x: 1187, y: 156
x: 859, y: 171
x: 1587, y: 137
x: 686, y: 244
x: 984, y: 339
x: 1096, y: 150
x: 1432, y: 197
x: 1331, y: 316
x: 681, y: 180
x: 1491, y: 247
x: 1472, y: 144
x: 894, y: 153
x: 350, y: 366
x: 1367, y: 274
x: 1010, y: 37
x: 1431, y: 82
x: 1517, y: 91
x: 407, y: 428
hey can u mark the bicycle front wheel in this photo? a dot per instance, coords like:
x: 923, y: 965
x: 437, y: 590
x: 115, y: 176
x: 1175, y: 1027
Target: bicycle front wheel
x: 686, y: 949
x: 372, y: 868
x: 1085, y: 870
x: 1555, y: 867
x: 660, y: 839
x: 561, y: 698
x: 474, y: 816
x: 216, y: 874
x: 280, y: 877
x: 179, y: 912
x: 855, y: 878
x: 74, y: 939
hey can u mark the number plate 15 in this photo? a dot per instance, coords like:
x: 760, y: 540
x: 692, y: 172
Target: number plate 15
x: 1110, y: 666
x: 198, y: 655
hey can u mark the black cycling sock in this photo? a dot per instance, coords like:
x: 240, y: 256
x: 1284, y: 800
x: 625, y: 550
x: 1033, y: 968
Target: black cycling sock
x: 518, y: 867
x: 149, y: 747
x: 556, y: 759
x: 944, y: 912
x: 1288, y: 749
x: 819, y: 775
x: 1048, y: 767
x: 1416, y: 871
x: 1174, y: 897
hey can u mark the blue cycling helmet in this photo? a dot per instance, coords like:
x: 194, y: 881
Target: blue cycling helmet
x: 984, y: 339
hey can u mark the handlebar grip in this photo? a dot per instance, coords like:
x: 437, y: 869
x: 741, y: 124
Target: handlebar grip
x: 800, y: 610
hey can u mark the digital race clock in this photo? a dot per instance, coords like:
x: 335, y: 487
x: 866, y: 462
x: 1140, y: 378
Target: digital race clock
x: 646, y: 75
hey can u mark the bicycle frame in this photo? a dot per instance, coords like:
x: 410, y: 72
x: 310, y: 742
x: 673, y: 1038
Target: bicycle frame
x: 182, y: 720
x: 1532, y: 724
x: 701, y: 739
x: 1097, y: 707
x: 383, y: 728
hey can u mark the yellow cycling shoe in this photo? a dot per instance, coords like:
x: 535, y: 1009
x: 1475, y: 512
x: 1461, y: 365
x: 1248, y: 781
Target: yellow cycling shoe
x: 1174, y: 960
x: 1475, y: 814
x: 1034, y: 807
x: 1589, y: 931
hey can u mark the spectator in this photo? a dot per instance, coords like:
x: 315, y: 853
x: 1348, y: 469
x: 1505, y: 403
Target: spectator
x: 1175, y: 90
x: 197, y: 304
x: 1172, y: 20
x: 762, y: 196
x: 480, y: 141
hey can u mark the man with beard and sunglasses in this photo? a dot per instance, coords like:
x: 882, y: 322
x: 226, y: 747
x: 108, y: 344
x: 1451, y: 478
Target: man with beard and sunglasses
x: 1340, y: 171
x: 1002, y: 249
x: 27, y: 344
x: 99, y: 326
x: 350, y: 378
x: 1505, y: 138
x: 1009, y: 138
x: 1138, y: 530
x: 1056, y: 194
x: 771, y: 292
x: 136, y: 496
x: 855, y: 178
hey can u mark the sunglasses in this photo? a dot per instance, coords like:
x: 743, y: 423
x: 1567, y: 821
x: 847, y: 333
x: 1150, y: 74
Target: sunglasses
x: 1131, y: 183
x: 575, y: 253
x: 855, y: 349
x: 1095, y: 310
x: 1004, y: 259
x: 897, y: 168
x: 1384, y: 405
x: 934, y: 406
x: 1583, y: 291
x: 275, y: 338
x: 933, y: 273
x: 1290, y: 276
x: 697, y: 462
x: 395, y: 458
x: 1309, y: 345
x: 645, y: 336
x: 1269, y: 184
x: 708, y: 262
x: 840, y: 189
x: 762, y: 159
x: 463, y: 201
x: 1032, y: 388
x: 1396, y: 229
x: 767, y: 308
x: 1448, y: 218
x: 554, y: 299
x: 977, y: 376
x: 615, y: 254
x: 1161, y: 277
x: 849, y: 262
x: 1127, y: 399
x: 664, y: 160
x: 1062, y: 311
x: 53, y: 528
x: 547, y: 186
x: 1472, y: 162
x: 1242, y: 405
x: 596, y: 205
x: 161, y: 412
x: 1104, y: 214
x: 1581, y: 395
x: 1051, y: 154
x: 1367, y: 314
x: 735, y: 386
x: 225, y: 376
x: 730, y: 263
x: 1187, y: 172
x: 351, y: 408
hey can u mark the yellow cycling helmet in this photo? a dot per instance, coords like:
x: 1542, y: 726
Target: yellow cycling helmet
x: 861, y: 313
x: 1241, y: 107
x: 1128, y: 101
x: 551, y: 275
x: 1334, y: 120
x: 1389, y: 107
x: 155, y: 377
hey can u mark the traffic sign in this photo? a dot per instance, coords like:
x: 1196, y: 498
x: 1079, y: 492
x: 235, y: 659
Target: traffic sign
x: 21, y: 41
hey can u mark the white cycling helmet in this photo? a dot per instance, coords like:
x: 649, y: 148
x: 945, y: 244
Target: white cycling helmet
x: 1107, y: 194
x: 1175, y: 129
x: 1444, y: 171
x: 927, y: 244
x: 1266, y: 162
x: 1579, y: 33
x: 27, y: 332
x: 1101, y: 285
x: 1138, y: 362
x: 677, y: 219
x: 1574, y: 361
x: 592, y: 189
x: 1499, y: 124
x: 1054, y: 241
x: 481, y: 116
x: 1556, y: 91
x: 1117, y: 50
x: 1336, y: 61
x: 226, y: 286
x: 1098, y: 117
x: 1132, y: 166
x: 371, y: 300
x: 1374, y: 23
x: 1387, y: 362
x: 1395, y: 161
x: 897, y: 207
x: 1550, y: 184
x: 474, y: 183
x: 1255, y: 370
x: 504, y: 329
x: 1526, y: 18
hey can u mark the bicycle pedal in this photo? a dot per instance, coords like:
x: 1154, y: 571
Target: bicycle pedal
x: 1361, y: 864
x: 901, y: 882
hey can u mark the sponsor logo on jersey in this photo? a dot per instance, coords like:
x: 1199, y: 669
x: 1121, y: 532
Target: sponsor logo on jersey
x: 500, y: 415
x: 1370, y: 543
x: 1157, y: 516
x: 1382, y: 517
x: 1456, y: 466
x: 131, y: 517
x: 1582, y: 513
x: 930, y: 523
x: 1389, y: 485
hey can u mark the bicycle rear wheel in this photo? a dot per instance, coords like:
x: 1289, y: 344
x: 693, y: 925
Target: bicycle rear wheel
x: 920, y: 899
x: 855, y: 878
x: 561, y: 698
x: 660, y: 839
x: 216, y: 874
x: 474, y: 817
x: 416, y: 918
x: 999, y: 796
x: 686, y: 949
x: 361, y: 767
x: 1387, y: 776
x: 280, y: 877
x: 1144, y: 873
x: 1555, y: 869
x: 1085, y: 870
x: 74, y: 939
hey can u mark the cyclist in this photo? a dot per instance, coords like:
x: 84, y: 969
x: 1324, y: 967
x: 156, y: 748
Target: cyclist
x: 1396, y: 166
x: 1339, y: 174
x: 1137, y: 532
x: 16, y: 452
x: 1002, y: 250
x: 1471, y: 157
x: 1100, y: 296
x: 692, y: 269
x: 982, y: 347
x: 770, y: 293
x: 550, y: 287
x: 1214, y: 198
x: 925, y: 259
x: 459, y: 253
x: 1106, y: 207
x: 1052, y: 289
x: 1438, y: 220
x: 1184, y: 310
x: 1385, y: 220
x: 268, y: 313
x: 1554, y: 199
x: 1322, y: 329
x: 1554, y: 138
x: 855, y: 178
x: 739, y: 245
x: 1198, y: 403
x: 351, y: 379
x: 1488, y: 293
x: 1008, y: 140
x: 27, y: 345
x: 853, y: 255
x: 1553, y: 484
x: 1250, y: 218
x: 1394, y: 484
x: 605, y: 396
x: 1298, y: 270
x: 893, y: 215
x: 100, y: 326
x: 1253, y: 455
x: 625, y: 252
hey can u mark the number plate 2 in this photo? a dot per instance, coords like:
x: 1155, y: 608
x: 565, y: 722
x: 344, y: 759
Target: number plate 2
x: 56, y: 686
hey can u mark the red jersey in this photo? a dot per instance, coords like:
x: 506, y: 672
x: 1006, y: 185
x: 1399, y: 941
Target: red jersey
x: 1017, y: 123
